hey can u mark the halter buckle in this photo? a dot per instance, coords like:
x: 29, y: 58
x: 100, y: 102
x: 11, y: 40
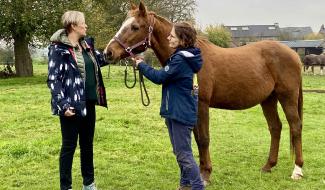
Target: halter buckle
x: 128, y: 49
x: 150, y: 29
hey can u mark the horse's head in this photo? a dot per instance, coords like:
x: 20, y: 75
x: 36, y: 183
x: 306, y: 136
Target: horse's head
x: 134, y: 35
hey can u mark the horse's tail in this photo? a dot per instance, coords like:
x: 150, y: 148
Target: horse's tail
x: 300, y: 112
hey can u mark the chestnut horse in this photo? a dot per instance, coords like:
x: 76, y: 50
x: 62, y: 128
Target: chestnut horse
x: 231, y: 78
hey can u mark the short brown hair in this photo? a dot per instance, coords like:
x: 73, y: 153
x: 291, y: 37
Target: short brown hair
x: 186, y: 34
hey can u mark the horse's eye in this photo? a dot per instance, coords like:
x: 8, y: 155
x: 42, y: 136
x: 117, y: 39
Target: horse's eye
x: 134, y: 27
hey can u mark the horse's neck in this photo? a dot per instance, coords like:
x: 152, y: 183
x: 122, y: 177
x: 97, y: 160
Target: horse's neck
x: 160, y: 44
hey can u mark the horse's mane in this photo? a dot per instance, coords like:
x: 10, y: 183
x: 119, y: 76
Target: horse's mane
x: 160, y: 18
x: 200, y: 39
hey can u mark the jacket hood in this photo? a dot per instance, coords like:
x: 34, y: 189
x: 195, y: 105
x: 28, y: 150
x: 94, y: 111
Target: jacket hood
x: 60, y: 36
x: 192, y: 56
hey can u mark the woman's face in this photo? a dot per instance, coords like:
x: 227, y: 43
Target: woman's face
x: 80, y: 28
x: 173, y: 40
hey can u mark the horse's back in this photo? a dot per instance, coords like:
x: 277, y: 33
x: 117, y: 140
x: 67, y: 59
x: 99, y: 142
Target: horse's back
x: 322, y: 59
x: 311, y: 59
x: 241, y: 77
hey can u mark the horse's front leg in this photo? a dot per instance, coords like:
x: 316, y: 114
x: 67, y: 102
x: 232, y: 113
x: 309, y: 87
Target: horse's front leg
x: 201, y: 133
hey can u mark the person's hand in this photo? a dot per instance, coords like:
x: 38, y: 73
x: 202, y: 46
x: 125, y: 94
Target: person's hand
x: 70, y: 112
x: 137, y: 59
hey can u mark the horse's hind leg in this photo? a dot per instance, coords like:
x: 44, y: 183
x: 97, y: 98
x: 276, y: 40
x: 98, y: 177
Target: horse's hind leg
x: 321, y: 70
x: 201, y: 134
x: 270, y: 111
x: 291, y: 108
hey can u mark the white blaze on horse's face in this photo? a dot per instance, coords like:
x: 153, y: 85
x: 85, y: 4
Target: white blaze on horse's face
x: 126, y: 24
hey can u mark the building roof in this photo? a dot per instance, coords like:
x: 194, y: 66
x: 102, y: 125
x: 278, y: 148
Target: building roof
x: 305, y: 43
x: 297, y: 32
x: 322, y: 29
x: 254, y: 31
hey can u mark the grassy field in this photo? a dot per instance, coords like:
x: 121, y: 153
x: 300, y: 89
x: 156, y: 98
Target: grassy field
x: 132, y: 148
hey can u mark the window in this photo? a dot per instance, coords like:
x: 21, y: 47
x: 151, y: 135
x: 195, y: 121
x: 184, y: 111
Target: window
x: 245, y: 28
x: 271, y: 28
x: 233, y: 28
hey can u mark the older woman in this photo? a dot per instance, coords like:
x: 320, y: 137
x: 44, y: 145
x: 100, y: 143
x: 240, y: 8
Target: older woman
x: 76, y: 85
x: 179, y: 99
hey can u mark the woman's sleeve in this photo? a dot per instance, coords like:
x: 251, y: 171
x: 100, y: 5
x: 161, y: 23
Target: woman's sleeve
x: 163, y: 75
x: 100, y: 58
x: 56, y: 69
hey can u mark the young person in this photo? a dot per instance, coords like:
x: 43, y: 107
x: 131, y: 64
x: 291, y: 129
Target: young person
x: 179, y: 101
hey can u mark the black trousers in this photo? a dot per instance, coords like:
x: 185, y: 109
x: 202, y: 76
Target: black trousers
x: 71, y: 128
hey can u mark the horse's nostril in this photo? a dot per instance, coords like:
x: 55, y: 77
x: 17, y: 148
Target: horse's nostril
x: 109, y: 54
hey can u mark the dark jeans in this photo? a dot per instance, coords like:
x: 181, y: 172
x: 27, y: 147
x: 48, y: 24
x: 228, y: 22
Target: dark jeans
x: 71, y: 128
x: 180, y: 137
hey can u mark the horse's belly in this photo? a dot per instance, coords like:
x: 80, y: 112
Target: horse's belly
x: 242, y: 95
x: 233, y: 105
x: 239, y: 102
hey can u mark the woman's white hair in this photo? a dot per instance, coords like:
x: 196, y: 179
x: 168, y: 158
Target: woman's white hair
x: 72, y: 17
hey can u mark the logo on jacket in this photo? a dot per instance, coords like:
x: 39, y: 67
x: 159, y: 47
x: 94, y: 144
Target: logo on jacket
x: 167, y: 68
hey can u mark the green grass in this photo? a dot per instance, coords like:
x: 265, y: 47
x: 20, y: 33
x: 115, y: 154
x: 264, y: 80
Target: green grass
x: 132, y: 148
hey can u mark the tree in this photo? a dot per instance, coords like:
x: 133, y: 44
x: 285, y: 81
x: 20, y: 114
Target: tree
x: 314, y: 36
x: 218, y: 35
x: 6, y: 56
x: 174, y: 10
x: 26, y: 22
x: 104, y: 17
x: 285, y: 36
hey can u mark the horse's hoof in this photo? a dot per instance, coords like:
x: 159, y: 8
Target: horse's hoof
x: 205, y: 180
x: 266, y: 169
x: 297, y: 173
x: 296, y: 177
x: 206, y: 183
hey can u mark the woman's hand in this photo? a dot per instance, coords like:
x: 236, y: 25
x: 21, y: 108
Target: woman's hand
x: 137, y: 59
x: 70, y: 112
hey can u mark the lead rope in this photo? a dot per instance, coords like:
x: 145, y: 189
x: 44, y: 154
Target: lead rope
x: 108, y: 70
x: 141, y: 81
x: 143, y: 89
x: 126, y: 75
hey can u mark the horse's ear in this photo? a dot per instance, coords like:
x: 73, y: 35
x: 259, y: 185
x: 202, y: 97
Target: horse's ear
x: 142, y: 9
x: 133, y: 6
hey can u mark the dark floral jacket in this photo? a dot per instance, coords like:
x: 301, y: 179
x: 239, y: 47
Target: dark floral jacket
x: 64, y: 78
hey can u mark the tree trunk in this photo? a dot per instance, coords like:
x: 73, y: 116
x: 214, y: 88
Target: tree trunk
x: 23, y: 60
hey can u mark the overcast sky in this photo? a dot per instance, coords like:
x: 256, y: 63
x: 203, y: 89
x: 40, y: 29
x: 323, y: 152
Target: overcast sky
x: 295, y: 13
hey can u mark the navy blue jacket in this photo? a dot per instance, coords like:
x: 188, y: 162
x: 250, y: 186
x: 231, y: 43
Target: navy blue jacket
x: 65, y: 81
x: 178, y: 100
